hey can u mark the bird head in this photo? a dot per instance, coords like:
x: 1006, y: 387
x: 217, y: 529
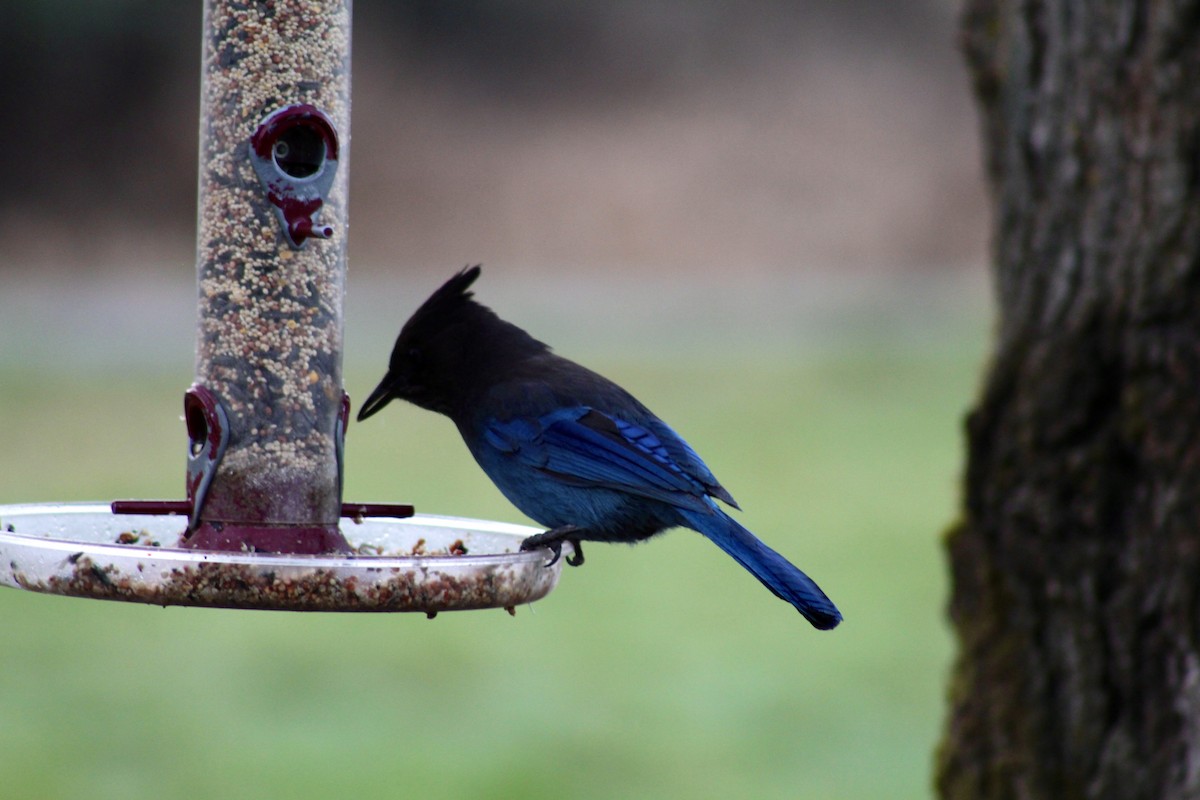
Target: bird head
x: 449, y: 348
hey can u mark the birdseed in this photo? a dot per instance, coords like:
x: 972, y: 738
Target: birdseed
x: 425, y: 589
x: 269, y: 343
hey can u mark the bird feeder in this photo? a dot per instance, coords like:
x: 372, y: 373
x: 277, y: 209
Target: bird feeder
x: 263, y: 523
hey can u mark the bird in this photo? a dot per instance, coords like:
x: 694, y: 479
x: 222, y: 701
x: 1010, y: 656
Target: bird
x: 569, y: 448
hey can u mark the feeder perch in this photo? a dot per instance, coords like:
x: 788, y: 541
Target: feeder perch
x: 263, y: 524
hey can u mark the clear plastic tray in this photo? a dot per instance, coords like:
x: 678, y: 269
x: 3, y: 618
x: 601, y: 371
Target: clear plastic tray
x: 422, y: 563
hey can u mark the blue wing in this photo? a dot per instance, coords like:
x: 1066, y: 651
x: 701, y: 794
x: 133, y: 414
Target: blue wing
x: 583, y: 446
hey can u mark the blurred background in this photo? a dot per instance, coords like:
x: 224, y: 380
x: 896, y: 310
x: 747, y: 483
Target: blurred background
x: 766, y: 221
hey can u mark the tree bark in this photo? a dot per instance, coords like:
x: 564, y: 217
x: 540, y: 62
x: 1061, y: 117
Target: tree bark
x: 1076, y: 563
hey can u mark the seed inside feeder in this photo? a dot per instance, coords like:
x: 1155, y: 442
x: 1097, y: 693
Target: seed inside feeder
x: 270, y: 333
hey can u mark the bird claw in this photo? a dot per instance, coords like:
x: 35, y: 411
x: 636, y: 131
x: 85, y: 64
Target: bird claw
x: 553, y: 539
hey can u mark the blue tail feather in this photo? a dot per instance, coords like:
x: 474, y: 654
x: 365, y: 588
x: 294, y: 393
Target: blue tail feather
x: 773, y: 570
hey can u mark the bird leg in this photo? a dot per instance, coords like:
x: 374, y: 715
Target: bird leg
x: 554, y: 539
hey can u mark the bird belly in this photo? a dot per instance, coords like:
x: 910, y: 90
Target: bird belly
x: 556, y: 500
x: 553, y: 503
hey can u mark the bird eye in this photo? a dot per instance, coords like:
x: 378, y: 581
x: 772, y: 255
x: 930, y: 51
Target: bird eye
x: 414, y: 355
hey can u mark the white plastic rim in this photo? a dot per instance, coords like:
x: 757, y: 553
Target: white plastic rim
x: 423, y: 563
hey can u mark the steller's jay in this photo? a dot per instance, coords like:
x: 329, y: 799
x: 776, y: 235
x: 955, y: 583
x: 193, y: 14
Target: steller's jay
x: 569, y: 448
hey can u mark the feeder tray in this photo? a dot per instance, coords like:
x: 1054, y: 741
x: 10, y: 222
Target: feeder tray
x: 422, y: 563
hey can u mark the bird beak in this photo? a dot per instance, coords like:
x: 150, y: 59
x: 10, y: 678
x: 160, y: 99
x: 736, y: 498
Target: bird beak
x: 379, y: 398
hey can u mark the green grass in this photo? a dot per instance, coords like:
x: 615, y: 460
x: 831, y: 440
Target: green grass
x: 657, y: 671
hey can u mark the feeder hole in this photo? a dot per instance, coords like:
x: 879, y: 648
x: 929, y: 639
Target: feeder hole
x: 197, y: 428
x: 299, y: 152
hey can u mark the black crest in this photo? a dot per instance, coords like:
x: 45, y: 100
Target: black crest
x: 453, y: 295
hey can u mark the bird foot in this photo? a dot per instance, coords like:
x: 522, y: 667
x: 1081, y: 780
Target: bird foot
x: 553, y: 539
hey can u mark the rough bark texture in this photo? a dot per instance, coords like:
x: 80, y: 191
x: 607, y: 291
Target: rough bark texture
x: 1076, y: 565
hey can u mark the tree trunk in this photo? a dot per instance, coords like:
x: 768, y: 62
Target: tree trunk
x: 1076, y: 565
